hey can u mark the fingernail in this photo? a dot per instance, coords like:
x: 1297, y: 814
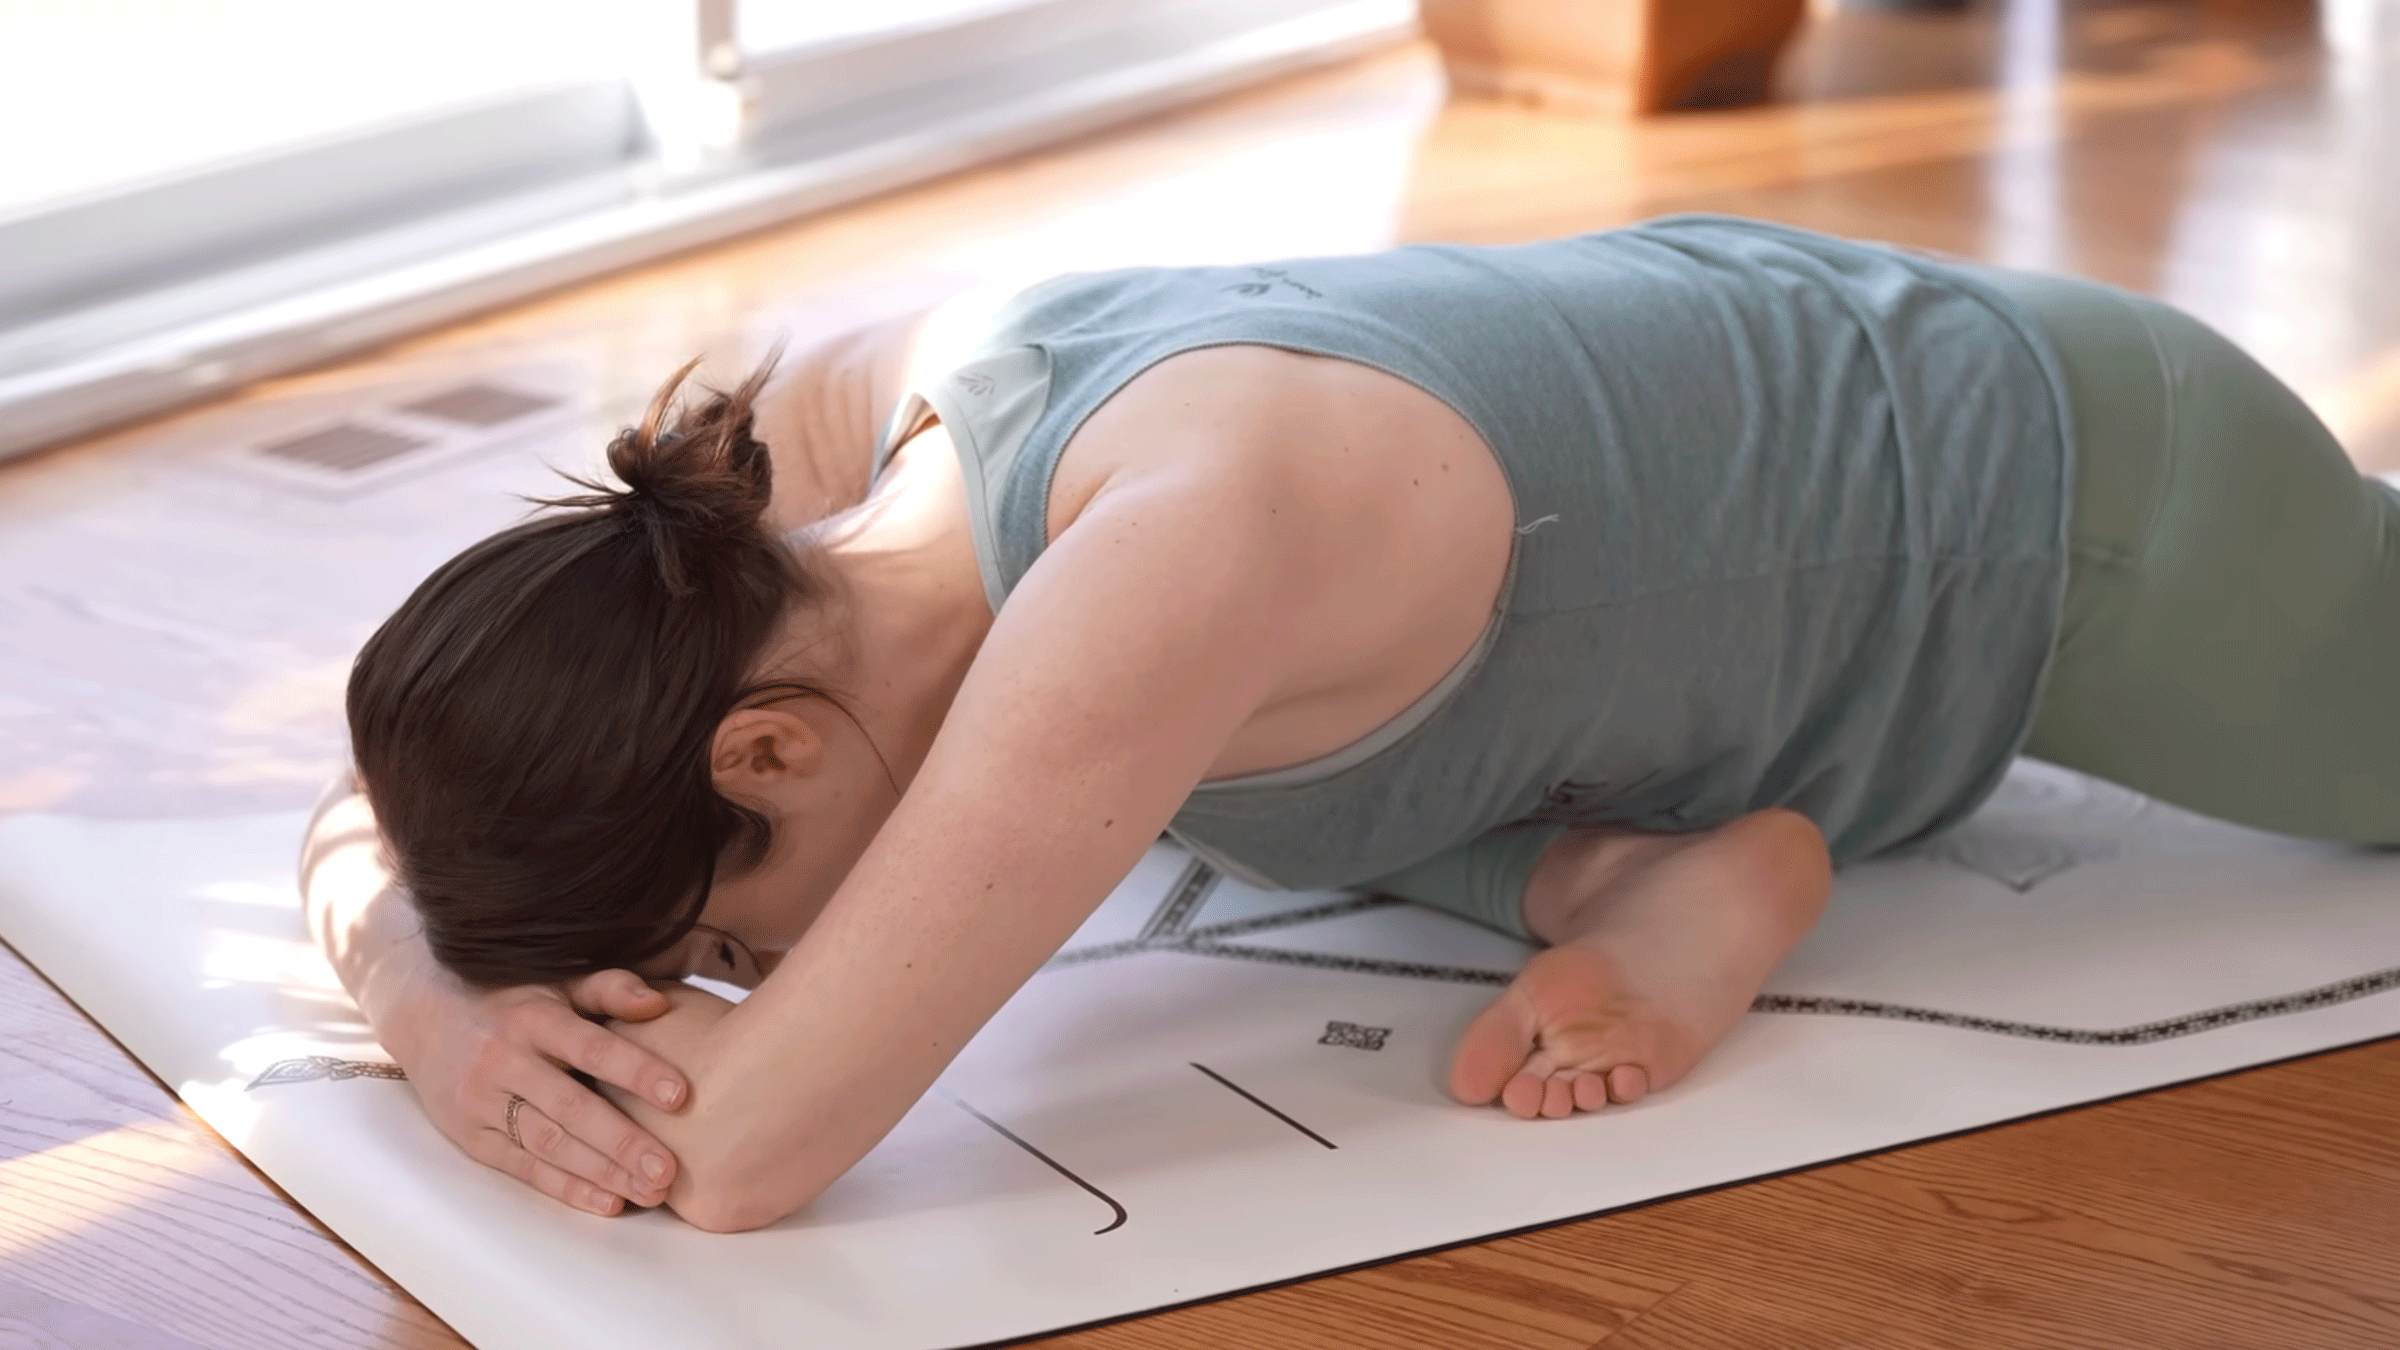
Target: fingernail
x: 605, y: 1206
x: 654, y: 1167
x: 669, y: 1092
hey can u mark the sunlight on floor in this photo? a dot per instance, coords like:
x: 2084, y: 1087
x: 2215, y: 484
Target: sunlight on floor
x: 52, y: 1193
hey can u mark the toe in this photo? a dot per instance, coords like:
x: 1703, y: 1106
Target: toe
x: 1591, y: 1091
x: 1558, y: 1097
x: 1523, y: 1096
x: 1492, y: 1051
x: 1627, y: 1083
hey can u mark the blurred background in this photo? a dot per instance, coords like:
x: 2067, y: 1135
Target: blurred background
x: 195, y: 194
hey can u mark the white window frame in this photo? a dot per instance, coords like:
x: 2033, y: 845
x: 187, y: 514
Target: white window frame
x: 123, y: 304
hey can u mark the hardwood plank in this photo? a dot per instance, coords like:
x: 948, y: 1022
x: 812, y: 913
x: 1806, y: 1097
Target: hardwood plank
x: 36, y: 1321
x: 2208, y: 1215
x: 1498, y: 1296
x: 120, y: 1212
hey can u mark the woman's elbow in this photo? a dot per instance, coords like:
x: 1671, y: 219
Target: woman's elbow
x: 717, y: 1199
x: 714, y: 1214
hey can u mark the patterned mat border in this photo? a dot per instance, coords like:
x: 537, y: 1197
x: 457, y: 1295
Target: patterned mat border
x: 1170, y: 930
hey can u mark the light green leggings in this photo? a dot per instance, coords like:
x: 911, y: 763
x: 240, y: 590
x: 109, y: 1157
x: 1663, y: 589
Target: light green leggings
x: 2231, y: 635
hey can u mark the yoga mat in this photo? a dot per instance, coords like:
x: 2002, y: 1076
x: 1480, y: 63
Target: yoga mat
x: 1213, y: 1088
x: 1208, y: 1090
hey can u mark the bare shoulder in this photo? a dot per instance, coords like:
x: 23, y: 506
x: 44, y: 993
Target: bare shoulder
x: 1387, y: 505
x: 821, y: 417
x: 1286, y: 422
x: 834, y: 395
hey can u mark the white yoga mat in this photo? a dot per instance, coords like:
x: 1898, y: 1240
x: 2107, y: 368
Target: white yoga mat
x: 1214, y: 1089
x: 1210, y: 1090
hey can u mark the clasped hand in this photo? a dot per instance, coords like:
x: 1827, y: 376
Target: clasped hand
x: 469, y: 1052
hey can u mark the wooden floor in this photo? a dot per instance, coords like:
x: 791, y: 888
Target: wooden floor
x: 2240, y: 159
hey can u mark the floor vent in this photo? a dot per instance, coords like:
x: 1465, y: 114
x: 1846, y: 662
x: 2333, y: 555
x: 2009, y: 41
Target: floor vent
x: 344, y: 447
x: 363, y: 447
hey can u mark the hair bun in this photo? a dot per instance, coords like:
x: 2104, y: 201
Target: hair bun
x: 695, y: 478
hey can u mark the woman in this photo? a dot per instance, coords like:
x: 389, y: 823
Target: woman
x: 1607, y: 591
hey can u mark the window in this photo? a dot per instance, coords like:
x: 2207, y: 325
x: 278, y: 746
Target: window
x: 248, y: 186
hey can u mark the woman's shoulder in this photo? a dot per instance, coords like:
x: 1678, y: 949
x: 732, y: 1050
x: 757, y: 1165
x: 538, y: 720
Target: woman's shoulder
x: 1299, y: 427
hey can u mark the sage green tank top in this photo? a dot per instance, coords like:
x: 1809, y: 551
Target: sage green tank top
x: 1791, y: 519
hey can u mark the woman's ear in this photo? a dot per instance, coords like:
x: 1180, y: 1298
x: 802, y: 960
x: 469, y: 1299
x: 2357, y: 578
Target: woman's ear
x: 758, y: 751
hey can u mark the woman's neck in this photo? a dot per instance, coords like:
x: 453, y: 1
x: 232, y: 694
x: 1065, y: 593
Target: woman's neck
x: 910, y: 611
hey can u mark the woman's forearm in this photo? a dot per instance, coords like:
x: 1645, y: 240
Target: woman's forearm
x: 357, y: 913
x: 683, y: 1036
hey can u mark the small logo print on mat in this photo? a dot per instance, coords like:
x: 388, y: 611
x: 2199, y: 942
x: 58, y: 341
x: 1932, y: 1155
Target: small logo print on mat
x: 312, y: 1068
x: 1352, y: 1036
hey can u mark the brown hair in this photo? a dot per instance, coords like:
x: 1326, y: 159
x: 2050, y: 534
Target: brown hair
x: 533, y: 724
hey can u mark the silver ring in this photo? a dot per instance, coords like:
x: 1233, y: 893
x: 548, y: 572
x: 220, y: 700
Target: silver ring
x: 514, y: 1101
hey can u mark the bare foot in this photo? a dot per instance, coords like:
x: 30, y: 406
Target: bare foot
x: 1659, y: 942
